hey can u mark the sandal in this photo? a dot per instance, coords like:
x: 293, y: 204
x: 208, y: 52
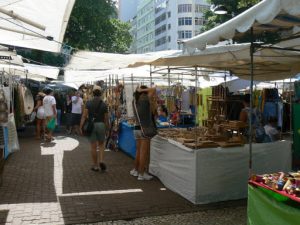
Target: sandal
x: 95, y: 169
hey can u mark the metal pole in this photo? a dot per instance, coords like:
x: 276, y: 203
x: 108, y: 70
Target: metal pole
x: 251, y: 101
x: 291, y: 113
x: 150, y: 75
x: 168, y: 95
x: 195, y: 104
x: 21, y: 18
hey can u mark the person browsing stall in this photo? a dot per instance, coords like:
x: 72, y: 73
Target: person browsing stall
x: 49, y: 104
x: 270, y: 129
x: 144, y: 120
x: 77, y: 106
x: 40, y: 114
x: 97, y: 109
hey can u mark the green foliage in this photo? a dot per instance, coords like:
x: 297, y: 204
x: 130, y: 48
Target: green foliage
x: 234, y: 7
x: 48, y: 58
x: 93, y: 26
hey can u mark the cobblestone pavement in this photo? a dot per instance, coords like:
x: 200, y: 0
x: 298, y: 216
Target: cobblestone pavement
x: 51, y: 183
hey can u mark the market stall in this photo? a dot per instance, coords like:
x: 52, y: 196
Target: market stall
x: 208, y: 175
x: 274, y: 199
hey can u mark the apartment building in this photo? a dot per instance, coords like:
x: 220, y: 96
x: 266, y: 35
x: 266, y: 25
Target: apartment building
x: 171, y: 22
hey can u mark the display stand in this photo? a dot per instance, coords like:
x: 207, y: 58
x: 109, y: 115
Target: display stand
x: 268, y: 207
x: 126, y: 139
x: 214, y: 174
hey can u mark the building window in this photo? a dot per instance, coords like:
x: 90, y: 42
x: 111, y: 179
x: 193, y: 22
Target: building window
x: 182, y: 8
x: 161, y: 18
x: 184, y: 21
x: 169, y: 14
x: 169, y: 38
x: 198, y: 21
x: 160, y: 30
x: 184, y: 34
x: 201, y: 8
x: 169, y: 26
x: 160, y: 41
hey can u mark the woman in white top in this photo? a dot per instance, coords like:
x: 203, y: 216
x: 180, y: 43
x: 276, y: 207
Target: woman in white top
x: 49, y: 104
x: 77, y: 104
x: 40, y: 114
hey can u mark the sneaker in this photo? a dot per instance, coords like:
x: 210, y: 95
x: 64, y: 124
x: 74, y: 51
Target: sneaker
x: 134, y: 172
x: 145, y: 176
x: 102, y: 166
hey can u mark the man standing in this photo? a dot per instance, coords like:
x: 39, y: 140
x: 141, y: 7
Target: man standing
x: 77, y: 104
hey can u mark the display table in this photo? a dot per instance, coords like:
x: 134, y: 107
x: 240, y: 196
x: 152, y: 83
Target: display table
x: 268, y: 207
x: 126, y: 138
x: 214, y: 174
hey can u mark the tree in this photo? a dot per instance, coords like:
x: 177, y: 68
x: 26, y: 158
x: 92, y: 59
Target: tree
x: 93, y: 26
x: 234, y: 7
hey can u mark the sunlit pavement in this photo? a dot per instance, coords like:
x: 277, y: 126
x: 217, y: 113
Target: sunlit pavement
x: 51, y: 183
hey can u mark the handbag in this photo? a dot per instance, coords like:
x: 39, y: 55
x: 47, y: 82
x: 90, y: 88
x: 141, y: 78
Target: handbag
x: 88, y: 127
x: 51, y: 124
x: 88, y: 124
x: 147, y: 132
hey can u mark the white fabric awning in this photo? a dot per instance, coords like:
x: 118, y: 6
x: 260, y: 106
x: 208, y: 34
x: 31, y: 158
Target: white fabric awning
x: 9, y: 58
x: 269, y: 64
x: 84, y: 60
x: 43, y: 71
x: 53, y: 15
x: 273, y: 15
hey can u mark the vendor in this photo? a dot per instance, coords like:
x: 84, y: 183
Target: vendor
x: 175, y: 117
x: 162, y: 113
x: 271, y: 131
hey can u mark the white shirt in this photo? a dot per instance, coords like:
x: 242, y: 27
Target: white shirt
x: 77, y: 103
x: 48, y: 102
x: 271, y: 132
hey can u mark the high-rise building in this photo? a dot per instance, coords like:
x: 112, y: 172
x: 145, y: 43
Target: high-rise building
x: 145, y: 27
x: 127, y: 9
x: 174, y: 20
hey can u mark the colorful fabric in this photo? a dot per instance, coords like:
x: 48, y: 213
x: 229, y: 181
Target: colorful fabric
x: 203, y: 105
x: 266, y: 207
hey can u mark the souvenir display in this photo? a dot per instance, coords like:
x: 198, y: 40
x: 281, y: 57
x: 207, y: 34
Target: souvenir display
x: 285, y: 183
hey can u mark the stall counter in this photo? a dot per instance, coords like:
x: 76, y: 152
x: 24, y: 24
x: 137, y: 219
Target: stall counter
x: 271, y: 208
x: 214, y: 174
x: 126, y: 139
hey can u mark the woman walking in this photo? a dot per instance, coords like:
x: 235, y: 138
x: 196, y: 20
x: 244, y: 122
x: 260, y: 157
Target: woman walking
x: 97, y: 110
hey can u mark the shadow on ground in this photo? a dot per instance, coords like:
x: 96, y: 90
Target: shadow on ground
x: 28, y: 176
x: 3, y: 216
x: 80, y: 203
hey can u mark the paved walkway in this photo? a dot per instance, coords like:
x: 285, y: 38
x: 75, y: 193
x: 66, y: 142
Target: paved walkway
x: 51, y: 183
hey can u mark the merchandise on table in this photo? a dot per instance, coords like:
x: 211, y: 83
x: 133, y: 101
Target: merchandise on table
x: 285, y: 183
x: 203, y: 137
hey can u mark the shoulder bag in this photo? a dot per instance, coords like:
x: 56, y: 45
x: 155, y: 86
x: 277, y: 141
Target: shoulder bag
x: 147, y: 132
x: 88, y: 125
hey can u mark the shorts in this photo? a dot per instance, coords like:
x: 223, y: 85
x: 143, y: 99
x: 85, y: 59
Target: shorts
x: 76, y: 119
x: 68, y: 119
x: 138, y: 134
x: 98, y: 133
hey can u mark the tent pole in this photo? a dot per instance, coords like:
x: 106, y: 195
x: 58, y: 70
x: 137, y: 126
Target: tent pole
x: 21, y: 18
x: 195, y: 104
x: 168, y: 95
x: 291, y: 108
x: 150, y: 75
x: 251, y: 101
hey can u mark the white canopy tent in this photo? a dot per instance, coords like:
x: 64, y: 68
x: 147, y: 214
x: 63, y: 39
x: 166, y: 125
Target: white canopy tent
x: 30, y: 23
x: 269, y: 64
x: 84, y: 60
x: 281, y: 16
x: 268, y: 15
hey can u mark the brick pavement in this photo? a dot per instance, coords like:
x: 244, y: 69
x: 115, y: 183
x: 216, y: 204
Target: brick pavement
x: 53, y: 184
